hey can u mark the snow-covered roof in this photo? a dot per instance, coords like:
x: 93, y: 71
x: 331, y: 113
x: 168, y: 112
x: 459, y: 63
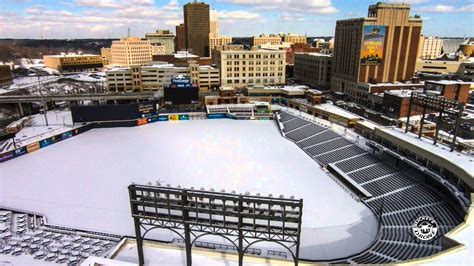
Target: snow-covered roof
x: 71, y: 55
x: 330, y: 108
x: 461, y: 160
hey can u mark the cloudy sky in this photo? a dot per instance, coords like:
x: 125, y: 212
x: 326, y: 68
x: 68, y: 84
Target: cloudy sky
x: 111, y: 18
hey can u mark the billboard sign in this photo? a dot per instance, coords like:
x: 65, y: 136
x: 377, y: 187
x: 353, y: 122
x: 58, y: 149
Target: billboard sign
x: 45, y: 142
x: 20, y: 151
x: 162, y: 118
x: 183, y: 117
x: 372, y: 45
x: 6, y: 156
x: 33, y: 147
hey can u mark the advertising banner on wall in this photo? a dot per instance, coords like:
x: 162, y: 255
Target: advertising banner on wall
x: 45, y: 142
x: 142, y: 121
x: 372, y: 45
x: 33, y: 147
x: 20, y: 151
x: 174, y: 117
x: 183, y: 117
x: 162, y: 118
x: 6, y: 156
x: 66, y: 135
x: 216, y: 116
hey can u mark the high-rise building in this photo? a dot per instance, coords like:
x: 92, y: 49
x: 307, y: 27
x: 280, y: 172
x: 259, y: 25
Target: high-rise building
x: 430, y: 47
x: 214, y: 24
x: 164, y: 38
x: 131, y: 51
x: 313, y: 68
x: 197, y: 27
x: 241, y: 68
x: 180, y: 40
x: 380, y: 48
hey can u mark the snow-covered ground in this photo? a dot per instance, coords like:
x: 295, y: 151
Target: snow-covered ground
x: 173, y: 256
x: 82, y: 182
x: 58, y: 122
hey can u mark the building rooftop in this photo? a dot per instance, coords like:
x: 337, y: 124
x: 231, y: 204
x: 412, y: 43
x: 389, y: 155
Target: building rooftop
x: 402, y: 93
x: 71, y: 55
x: 315, y: 54
x: 330, y: 108
x: 448, y: 82
x: 463, y: 161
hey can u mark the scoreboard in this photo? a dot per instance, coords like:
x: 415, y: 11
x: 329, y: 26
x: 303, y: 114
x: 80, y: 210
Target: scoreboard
x: 181, y: 92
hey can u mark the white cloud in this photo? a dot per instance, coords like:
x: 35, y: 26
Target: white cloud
x: 238, y: 15
x: 412, y: 2
x: 322, y: 7
x: 99, y: 3
x: 109, y: 21
x: 446, y: 9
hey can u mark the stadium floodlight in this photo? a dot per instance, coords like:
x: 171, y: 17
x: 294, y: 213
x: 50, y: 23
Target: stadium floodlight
x: 270, y: 195
x: 222, y: 190
x: 283, y: 227
x: 158, y: 184
x: 282, y: 196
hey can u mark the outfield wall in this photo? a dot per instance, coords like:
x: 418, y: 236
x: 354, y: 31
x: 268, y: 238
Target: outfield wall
x: 50, y: 140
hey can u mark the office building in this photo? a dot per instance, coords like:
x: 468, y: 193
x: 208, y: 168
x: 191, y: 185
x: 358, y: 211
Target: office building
x: 430, y: 47
x: 71, y: 63
x: 264, y: 39
x: 294, y: 38
x: 197, y: 27
x: 380, y: 48
x: 158, y: 49
x: 131, y: 51
x: 215, y: 42
x: 213, y: 24
x: 313, y: 68
x: 241, y: 68
x: 155, y: 77
x: 437, y: 66
x: 180, y: 40
x: 163, y: 38
x: 324, y: 43
x: 182, y: 58
x: 453, y: 90
x: 106, y: 54
x: 5, y: 76
x: 299, y: 48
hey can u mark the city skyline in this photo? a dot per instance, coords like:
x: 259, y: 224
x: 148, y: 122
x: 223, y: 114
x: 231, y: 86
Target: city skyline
x: 111, y: 18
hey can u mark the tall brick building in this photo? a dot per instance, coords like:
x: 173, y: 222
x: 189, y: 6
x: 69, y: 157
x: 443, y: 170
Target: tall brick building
x: 180, y: 39
x: 381, y: 48
x: 197, y: 28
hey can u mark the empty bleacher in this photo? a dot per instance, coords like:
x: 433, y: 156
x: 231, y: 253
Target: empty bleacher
x: 294, y: 124
x: 396, y: 198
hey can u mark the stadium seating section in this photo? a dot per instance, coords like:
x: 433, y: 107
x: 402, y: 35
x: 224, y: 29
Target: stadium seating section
x: 396, y: 197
